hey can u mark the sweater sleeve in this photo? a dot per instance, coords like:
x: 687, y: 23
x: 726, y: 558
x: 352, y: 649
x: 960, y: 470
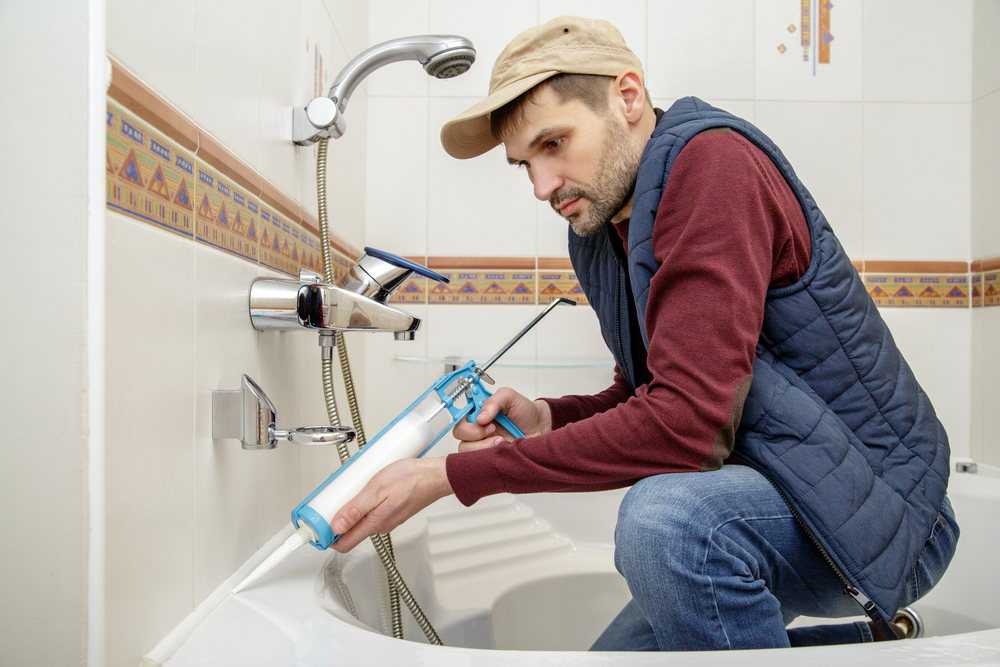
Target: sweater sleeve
x: 569, y: 409
x: 727, y: 228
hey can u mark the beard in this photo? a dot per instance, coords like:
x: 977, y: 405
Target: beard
x: 612, y: 189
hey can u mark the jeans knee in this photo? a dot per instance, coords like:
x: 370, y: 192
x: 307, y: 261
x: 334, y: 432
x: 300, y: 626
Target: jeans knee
x: 659, y: 517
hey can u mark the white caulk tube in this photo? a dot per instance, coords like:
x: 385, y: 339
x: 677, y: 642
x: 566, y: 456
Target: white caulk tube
x: 411, y: 435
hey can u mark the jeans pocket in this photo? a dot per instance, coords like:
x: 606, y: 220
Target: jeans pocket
x: 937, y: 554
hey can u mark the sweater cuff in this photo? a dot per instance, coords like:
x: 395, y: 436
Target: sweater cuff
x: 558, y: 412
x: 473, y: 475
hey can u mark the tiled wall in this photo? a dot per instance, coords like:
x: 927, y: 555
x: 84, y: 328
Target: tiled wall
x: 877, y: 119
x: 205, y: 193
x: 986, y: 228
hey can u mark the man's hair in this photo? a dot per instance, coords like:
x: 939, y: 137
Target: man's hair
x: 591, y: 89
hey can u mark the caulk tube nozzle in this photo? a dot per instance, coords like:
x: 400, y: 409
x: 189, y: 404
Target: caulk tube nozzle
x: 295, y: 540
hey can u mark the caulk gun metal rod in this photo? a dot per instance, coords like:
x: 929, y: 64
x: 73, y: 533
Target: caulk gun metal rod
x: 525, y: 330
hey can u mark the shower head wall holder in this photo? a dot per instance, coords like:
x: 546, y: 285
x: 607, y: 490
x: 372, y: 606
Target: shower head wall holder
x: 248, y: 415
x: 442, y: 56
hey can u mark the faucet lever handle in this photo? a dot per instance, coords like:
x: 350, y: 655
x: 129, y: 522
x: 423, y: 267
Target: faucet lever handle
x: 378, y: 274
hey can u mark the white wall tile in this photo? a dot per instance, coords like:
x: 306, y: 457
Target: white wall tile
x: 149, y: 492
x: 551, y: 231
x: 991, y: 176
x: 786, y: 76
x: 281, y: 83
x: 701, y: 48
x: 490, y: 27
x: 391, y: 384
x: 745, y: 109
x: 477, y: 207
x: 991, y: 72
x: 977, y: 201
x: 278, y: 468
x: 990, y: 361
x: 572, y: 335
x: 321, y: 56
x: 978, y: 385
x: 392, y: 19
x: 629, y: 16
x: 457, y: 330
x: 980, y: 35
x: 350, y: 21
x: 944, y: 373
x: 157, y: 42
x: 227, y: 74
x: 346, y: 160
x: 396, y: 197
x: 917, y: 206
x: 823, y: 141
x: 917, y: 51
x: 225, y: 475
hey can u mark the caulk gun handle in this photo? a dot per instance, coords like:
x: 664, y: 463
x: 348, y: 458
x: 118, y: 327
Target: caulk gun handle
x: 479, y: 396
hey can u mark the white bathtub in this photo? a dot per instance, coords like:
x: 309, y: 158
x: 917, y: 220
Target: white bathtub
x: 515, y: 583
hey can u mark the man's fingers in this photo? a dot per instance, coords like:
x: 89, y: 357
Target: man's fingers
x: 479, y: 444
x: 465, y: 431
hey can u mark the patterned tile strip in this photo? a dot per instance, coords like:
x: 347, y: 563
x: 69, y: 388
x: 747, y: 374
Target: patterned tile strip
x: 226, y: 216
x: 914, y: 290
x: 555, y: 284
x: 148, y: 176
x: 151, y: 179
x: 991, y: 289
x: 484, y: 287
x: 977, y: 290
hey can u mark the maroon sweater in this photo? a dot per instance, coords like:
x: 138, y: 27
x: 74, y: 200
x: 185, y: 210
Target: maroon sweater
x: 727, y: 229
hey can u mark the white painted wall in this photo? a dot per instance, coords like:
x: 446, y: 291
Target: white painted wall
x: 43, y: 342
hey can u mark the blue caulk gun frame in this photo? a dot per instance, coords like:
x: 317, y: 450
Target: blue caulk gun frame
x: 470, y: 411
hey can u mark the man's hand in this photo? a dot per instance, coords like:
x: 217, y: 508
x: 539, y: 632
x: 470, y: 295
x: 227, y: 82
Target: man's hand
x: 532, y: 417
x: 392, y: 496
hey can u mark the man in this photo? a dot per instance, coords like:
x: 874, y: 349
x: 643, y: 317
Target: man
x: 780, y: 451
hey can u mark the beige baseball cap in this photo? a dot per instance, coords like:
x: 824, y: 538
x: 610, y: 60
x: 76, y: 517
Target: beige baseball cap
x: 567, y: 44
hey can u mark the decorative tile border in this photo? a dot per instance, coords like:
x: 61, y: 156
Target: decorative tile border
x: 470, y: 286
x: 991, y: 289
x: 148, y: 176
x: 226, y: 216
x: 914, y: 290
x: 977, y: 290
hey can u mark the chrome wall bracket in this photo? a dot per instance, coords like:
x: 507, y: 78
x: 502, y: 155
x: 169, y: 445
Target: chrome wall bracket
x: 248, y: 415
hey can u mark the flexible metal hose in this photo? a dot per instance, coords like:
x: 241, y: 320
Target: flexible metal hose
x: 382, y: 543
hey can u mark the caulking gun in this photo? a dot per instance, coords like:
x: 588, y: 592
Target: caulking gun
x: 410, y: 435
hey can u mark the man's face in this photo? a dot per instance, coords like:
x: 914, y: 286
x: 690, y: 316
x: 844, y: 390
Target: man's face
x: 583, y: 163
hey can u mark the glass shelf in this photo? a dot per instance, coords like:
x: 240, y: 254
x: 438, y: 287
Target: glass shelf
x: 514, y: 362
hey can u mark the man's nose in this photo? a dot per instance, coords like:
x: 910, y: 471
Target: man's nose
x: 546, y: 183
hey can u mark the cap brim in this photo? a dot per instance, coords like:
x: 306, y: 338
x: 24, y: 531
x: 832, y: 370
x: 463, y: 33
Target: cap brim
x: 468, y: 134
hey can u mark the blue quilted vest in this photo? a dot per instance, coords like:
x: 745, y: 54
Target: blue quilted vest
x: 834, y: 417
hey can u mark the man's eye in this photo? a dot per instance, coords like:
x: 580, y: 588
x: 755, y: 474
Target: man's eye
x: 553, y: 143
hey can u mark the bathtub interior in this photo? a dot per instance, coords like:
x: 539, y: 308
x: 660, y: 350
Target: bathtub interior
x: 537, y: 572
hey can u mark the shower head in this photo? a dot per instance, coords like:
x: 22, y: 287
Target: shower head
x: 443, y: 56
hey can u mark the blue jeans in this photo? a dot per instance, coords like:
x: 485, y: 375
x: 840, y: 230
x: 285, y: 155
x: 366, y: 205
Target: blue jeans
x: 717, y: 561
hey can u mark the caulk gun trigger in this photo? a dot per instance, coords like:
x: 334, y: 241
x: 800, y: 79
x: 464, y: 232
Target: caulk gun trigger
x: 483, y: 375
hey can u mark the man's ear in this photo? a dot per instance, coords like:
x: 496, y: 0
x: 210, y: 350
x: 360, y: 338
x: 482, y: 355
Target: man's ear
x: 631, y: 95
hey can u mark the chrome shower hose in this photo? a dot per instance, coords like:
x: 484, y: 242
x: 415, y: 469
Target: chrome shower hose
x: 382, y: 543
